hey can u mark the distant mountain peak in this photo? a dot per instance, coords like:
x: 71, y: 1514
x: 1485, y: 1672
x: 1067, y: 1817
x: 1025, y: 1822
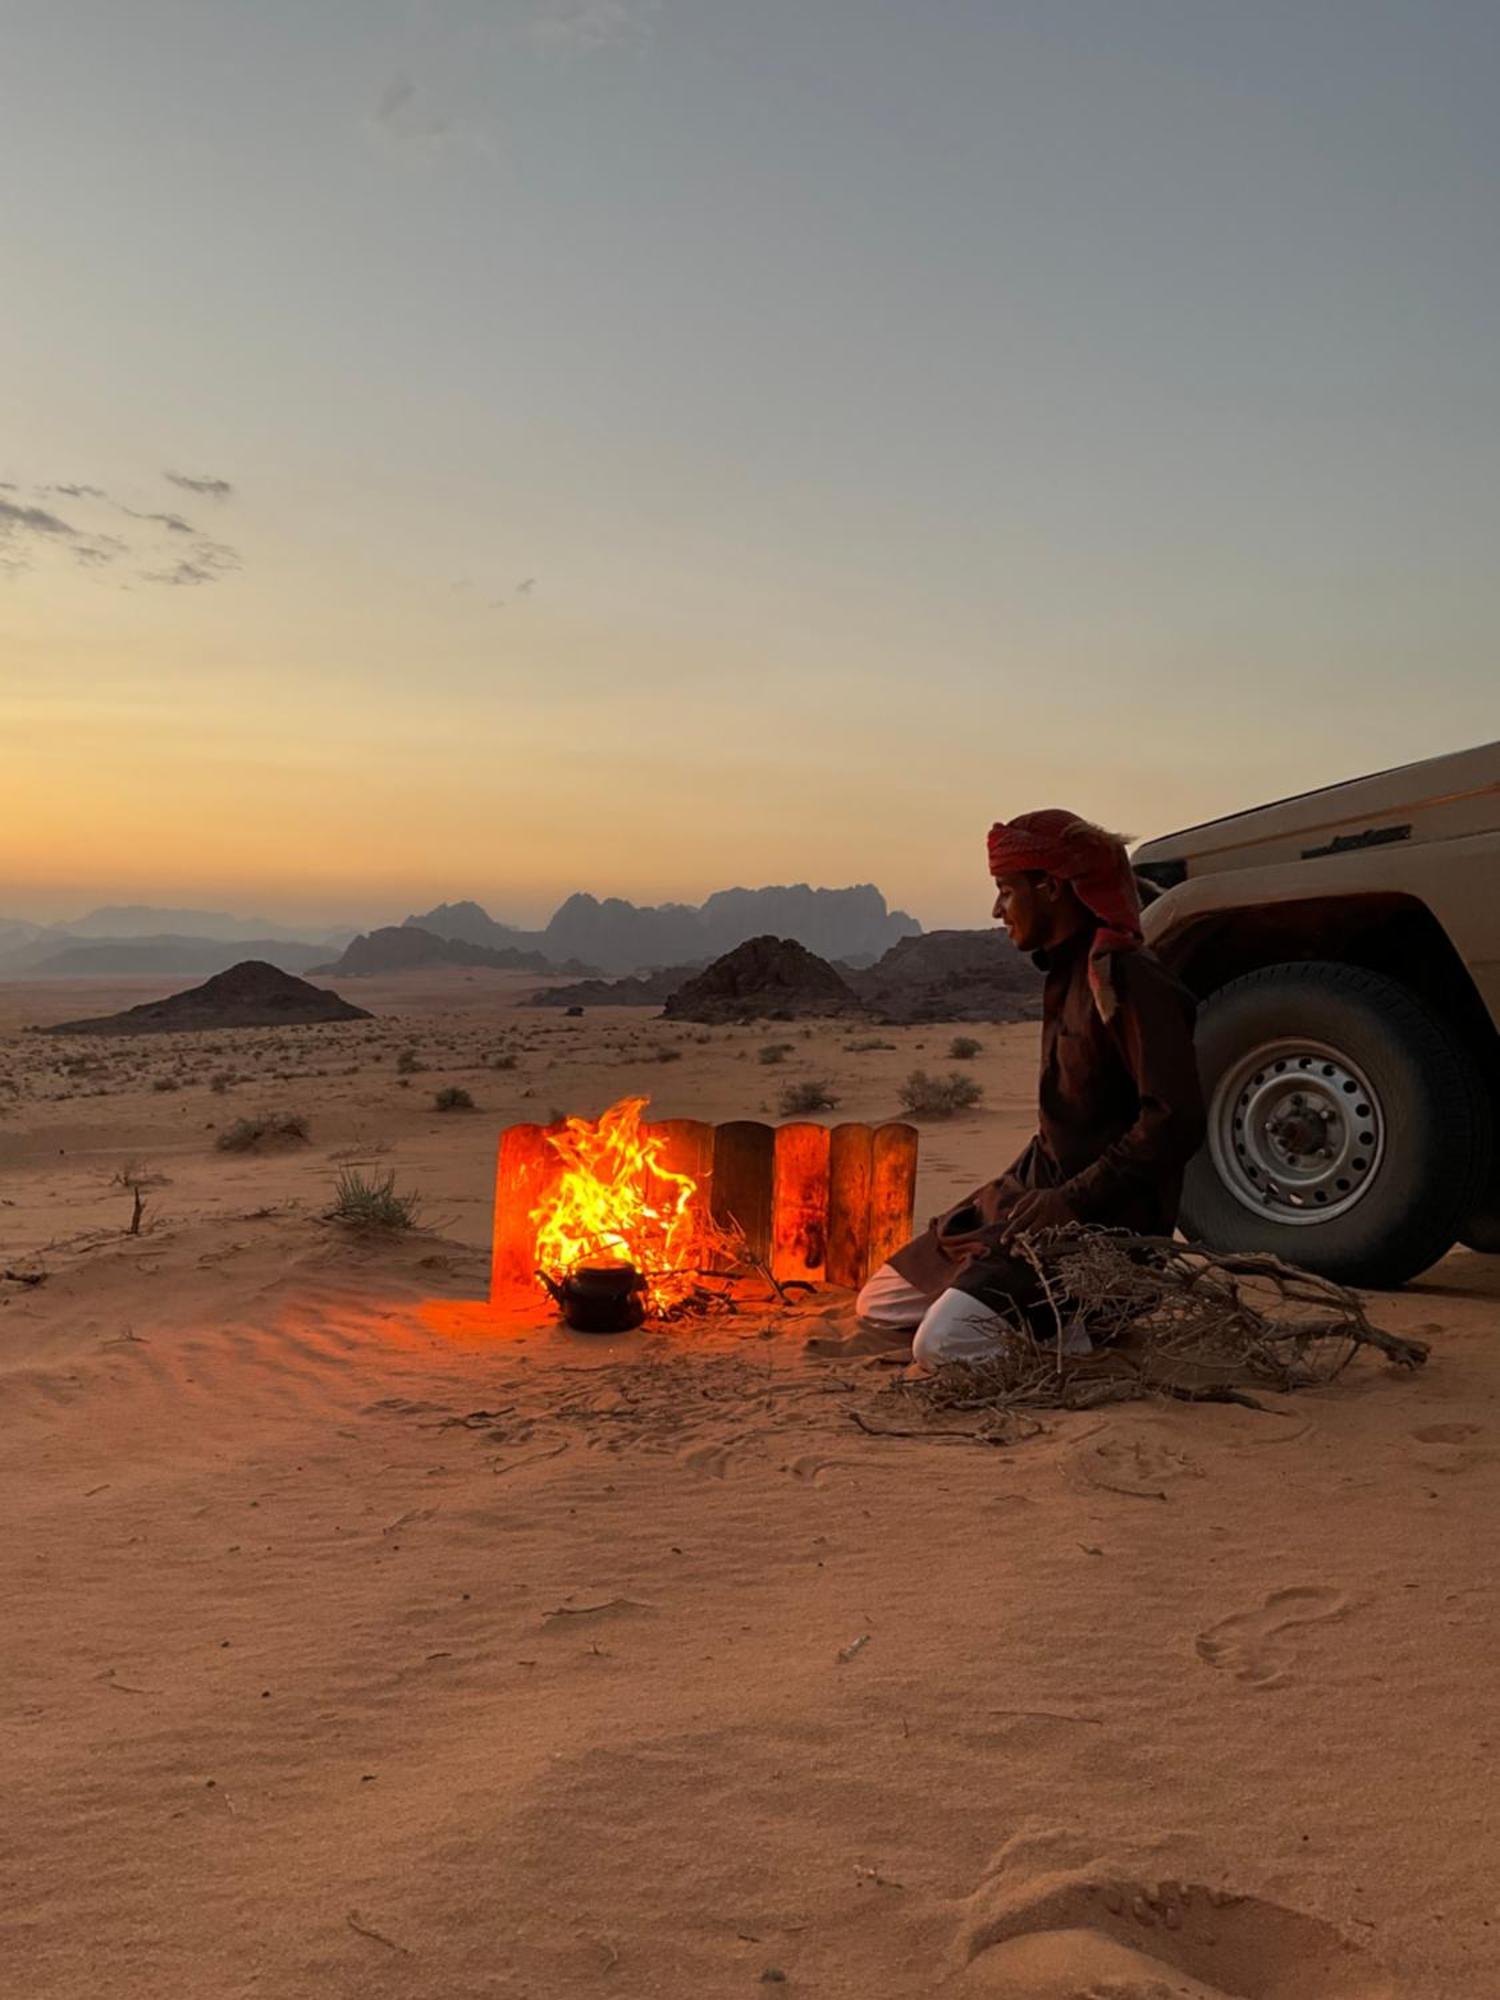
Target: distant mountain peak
x: 622, y: 936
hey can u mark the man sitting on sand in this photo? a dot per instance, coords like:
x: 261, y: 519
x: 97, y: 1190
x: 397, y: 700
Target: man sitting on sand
x: 1120, y: 1112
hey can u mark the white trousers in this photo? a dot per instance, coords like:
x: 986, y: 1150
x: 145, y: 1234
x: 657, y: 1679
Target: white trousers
x: 951, y: 1327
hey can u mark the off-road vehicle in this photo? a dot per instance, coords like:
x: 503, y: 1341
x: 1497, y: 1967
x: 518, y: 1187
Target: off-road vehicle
x: 1345, y: 947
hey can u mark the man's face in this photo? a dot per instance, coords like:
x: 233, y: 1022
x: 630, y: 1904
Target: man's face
x: 1022, y: 905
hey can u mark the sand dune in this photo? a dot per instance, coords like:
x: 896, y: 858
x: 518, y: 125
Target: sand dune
x: 358, y: 1644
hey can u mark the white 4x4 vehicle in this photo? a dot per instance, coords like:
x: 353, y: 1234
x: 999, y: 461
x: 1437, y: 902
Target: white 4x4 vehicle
x: 1345, y: 947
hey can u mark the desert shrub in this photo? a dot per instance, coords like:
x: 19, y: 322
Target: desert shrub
x: 452, y: 1098
x: 666, y: 1054
x: 866, y: 1047
x: 165, y: 1083
x: 372, y: 1204
x: 924, y: 1096
x: 964, y: 1048
x: 505, y: 1060
x: 221, y: 1082
x: 409, y: 1063
x: 811, y: 1095
x: 774, y: 1052
x: 271, y: 1128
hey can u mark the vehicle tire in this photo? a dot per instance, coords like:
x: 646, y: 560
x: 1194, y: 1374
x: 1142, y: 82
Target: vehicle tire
x: 1348, y: 1131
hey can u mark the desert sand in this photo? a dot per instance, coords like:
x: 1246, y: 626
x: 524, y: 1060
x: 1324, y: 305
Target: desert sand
x: 357, y: 1643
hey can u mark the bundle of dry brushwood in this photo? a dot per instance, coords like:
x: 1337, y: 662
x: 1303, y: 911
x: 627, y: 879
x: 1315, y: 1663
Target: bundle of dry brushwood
x: 1166, y: 1319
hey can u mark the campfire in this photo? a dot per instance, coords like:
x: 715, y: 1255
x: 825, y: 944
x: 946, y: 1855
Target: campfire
x: 692, y: 1208
x: 618, y: 1200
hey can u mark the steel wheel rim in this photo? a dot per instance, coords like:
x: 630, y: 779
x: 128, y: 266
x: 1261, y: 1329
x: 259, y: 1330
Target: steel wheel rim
x: 1296, y: 1132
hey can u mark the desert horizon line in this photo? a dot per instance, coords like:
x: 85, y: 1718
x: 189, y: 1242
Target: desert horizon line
x: 234, y: 910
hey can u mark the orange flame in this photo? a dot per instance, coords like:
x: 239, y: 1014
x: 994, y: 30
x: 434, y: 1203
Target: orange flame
x: 617, y: 1201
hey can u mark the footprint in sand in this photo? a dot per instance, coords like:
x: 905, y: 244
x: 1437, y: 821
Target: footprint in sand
x: 1257, y: 1646
x: 1096, y: 1933
x: 1140, y: 1467
x: 814, y: 1471
x: 713, y: 1460
x: 1449, y: 1447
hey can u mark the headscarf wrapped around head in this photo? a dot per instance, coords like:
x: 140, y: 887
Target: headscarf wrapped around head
x: 1096, y: 868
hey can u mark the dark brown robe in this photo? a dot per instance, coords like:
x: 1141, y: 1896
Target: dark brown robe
x: 1120, y: 1115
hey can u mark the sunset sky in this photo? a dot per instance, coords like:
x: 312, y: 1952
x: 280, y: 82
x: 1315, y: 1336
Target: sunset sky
x: 498, y: 447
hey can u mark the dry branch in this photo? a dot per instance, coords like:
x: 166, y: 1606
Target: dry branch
x: 1167, y: 1319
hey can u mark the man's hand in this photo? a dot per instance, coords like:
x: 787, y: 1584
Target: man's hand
x: 1037, y: 1210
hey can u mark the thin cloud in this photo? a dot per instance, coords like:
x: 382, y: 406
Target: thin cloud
x: 586, y: 27
x: 210, y: 489
x: 27, y: 530
x: 216, y: 556
x: 208, y: 563
x: 23, y: 529
x: 101, y: 549
x: 180, y: 576
x: 16, y: 520
x: 173, y: 522
x: 406, y: 120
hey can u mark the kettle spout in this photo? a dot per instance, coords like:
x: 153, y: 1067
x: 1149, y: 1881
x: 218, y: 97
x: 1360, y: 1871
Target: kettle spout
x: 552, y: 1286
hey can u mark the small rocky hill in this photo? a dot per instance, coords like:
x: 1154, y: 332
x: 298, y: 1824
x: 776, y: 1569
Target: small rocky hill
x: 952, y: 976
x: 766, y: 978
x: 647, y: 989
x: 249, y: 995
x: 404, y: 947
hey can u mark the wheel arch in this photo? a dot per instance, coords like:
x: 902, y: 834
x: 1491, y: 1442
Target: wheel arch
x: 1394, y: 934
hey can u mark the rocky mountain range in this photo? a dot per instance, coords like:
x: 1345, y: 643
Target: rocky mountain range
x: 585, y: 934
x: 853, y: 924
x: 138, y: 938
x: 404, y: 947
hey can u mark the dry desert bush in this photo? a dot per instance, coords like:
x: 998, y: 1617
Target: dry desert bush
x: 924, y: 1096
x: 812, y: 1095
x: 453, y: 1098
x: 269, y: 1128
x: 373, y: 1204
x: 964, y: 1048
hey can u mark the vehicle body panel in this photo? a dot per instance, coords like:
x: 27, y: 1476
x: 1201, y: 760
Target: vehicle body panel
x: 1425, y: 834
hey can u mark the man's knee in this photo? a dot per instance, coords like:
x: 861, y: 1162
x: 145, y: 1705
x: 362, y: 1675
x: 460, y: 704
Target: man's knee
x: 886, y: 1299
x: 957, y: 1327
x: 927, y: 1346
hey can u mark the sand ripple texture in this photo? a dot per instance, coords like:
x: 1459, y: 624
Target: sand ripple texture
x: 355, y: 1648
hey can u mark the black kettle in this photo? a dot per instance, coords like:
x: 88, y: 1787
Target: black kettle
x: 600, y: 1298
